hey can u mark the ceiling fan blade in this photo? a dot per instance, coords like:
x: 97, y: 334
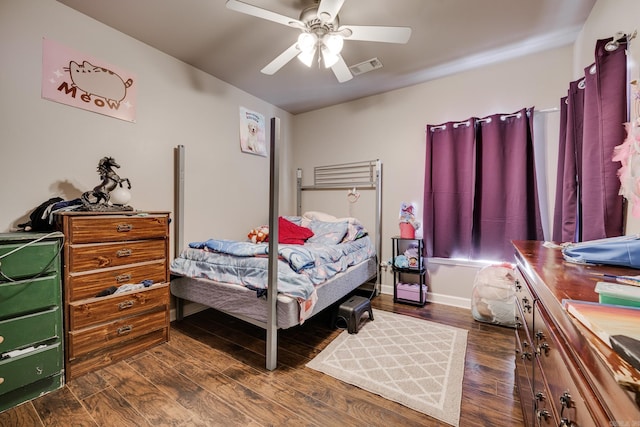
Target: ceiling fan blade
x: 256, y: 11
x: 328, y: 9
x: 341, y: 70
x: 281, y: 60
x: 375, y: 33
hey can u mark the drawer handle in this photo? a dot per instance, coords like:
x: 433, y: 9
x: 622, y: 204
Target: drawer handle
x: 123, y: 228
x: 1, y: 380
x: 526, y: 355
x: 1, y: 339
x: 544, y: 348
x: 567, y: 403
x: 124, y: 253
x: 542, y: 415
x: 124, y: 330
x: 123, y: 278
x: 126, y: 304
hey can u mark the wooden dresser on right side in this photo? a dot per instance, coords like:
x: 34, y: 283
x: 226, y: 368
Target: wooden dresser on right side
x: 565, y: 375
x: 104, y: 251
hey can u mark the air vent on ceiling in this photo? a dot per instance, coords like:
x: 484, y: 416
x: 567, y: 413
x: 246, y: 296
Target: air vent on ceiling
x: 366, y: 66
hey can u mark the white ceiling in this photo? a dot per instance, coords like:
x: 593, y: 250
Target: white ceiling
x: 448, y: 36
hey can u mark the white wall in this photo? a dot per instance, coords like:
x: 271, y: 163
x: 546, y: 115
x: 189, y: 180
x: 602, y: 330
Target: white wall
x: 50, y: 149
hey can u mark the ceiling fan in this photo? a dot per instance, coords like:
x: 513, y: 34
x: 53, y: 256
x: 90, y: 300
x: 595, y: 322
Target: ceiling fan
x: 321, y: 31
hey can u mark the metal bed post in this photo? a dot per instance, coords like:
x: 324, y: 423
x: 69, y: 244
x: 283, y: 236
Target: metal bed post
x: 178, y: 215
x: 378, y: 184
x: 272, y: 285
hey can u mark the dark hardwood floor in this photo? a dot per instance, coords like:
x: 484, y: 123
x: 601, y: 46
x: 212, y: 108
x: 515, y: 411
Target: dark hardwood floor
x: 211, y: 372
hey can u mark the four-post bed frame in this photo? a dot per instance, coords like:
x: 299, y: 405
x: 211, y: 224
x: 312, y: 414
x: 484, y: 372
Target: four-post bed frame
x: 366, y: 175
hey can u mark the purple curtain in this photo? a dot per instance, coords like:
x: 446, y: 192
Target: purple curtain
x: 506, y: 197
x: 588, y: 205
x: 448, y: 190
x: 480, y: 187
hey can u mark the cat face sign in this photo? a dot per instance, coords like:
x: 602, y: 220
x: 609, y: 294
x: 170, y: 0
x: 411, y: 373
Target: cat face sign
x: 80, y: 80
x: 98, y: 81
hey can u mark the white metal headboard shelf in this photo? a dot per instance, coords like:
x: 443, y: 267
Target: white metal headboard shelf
x: 346, y: 175
x: 364, y: 175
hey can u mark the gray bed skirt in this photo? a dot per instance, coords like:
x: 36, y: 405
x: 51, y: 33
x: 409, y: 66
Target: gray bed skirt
x: 243, y: 303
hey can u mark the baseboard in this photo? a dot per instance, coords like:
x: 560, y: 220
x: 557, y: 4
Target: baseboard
x: 437, y: 298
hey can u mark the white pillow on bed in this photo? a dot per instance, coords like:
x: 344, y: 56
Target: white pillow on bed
x: 355, y: 229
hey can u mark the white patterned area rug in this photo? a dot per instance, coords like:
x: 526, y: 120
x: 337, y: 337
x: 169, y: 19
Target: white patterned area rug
x: 417, y: 363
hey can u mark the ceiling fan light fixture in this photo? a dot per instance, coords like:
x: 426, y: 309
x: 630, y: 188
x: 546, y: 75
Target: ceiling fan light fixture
x: 329, y: 57
x: 306, y: 57
x: 334, y: 43
x: 307, y: 42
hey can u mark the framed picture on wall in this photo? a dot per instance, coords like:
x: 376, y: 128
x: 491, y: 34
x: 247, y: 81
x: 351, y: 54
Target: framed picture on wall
x: 252, y: 132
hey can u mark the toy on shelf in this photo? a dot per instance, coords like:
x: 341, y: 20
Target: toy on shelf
x: 412, y: 256
x: 408, y: 223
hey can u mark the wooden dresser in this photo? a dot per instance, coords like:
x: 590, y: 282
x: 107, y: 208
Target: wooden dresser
x: 107, y: 250
x: 566, y: 376
x: 31, y: 348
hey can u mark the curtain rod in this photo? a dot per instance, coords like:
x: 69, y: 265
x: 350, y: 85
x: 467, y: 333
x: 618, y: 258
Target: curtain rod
x: 547, y: 110
x: 488, y: 119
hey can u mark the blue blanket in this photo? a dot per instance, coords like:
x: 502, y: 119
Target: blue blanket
x: 300, y: 267
x: 297, y: 256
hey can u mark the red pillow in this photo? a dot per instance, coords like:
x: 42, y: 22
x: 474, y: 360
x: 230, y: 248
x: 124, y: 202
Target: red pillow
x: 291, y: 233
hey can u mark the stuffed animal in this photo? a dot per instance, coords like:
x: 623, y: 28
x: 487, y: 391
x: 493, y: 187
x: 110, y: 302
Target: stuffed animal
x: 412, y: 257
x: 408, y: 215
x: 401, y: 261
x: 259, y: 234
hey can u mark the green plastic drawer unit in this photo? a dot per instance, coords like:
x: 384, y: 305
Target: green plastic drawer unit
x: 32, y: 329
x: 18, y: 371
x: 31, y: 391
x: 28, y: 296
x: 32, y: 259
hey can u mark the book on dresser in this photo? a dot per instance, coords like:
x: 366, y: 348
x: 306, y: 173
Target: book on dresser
x: 605, y: 320
x: 115, y: 286
x: 616, y: 325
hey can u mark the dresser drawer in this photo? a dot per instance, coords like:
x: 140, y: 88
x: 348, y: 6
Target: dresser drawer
x: 94, y: 311
x: 30, y: 260
x: 562, y: 378
x: 24, y: 331
x: 88, y: 285
x: 28, y: 296
x: 523, y: 373
x: 25, y: 369
x: 544, y: 408
x: 101, y: 358
x: 90, y: 229
x: 104, y: 255
x: 91, y: 339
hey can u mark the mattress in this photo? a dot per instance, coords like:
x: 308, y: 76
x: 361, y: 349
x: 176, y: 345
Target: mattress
x: 243, y: 303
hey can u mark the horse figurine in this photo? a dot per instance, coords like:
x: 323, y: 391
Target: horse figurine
x: 98, y: 198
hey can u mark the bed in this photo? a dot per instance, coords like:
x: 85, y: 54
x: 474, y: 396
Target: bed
x: 203, y: 272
